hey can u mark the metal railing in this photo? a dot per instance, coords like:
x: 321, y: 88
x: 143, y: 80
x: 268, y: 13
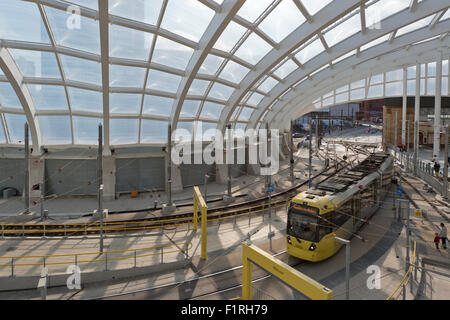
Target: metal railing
x: 401, y: 288
x: 102, y: 257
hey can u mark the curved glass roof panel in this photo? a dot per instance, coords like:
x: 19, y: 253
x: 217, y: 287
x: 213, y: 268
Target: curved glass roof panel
x: 55, y: 129
x: 84, y: 35
x: 314, y: 6
x: 268, y: 84
x: 92, y: 4
x: 163, y: 81
x: 221, y: 91
x: 2, y: 133
x: 85, y: 100
x: 346, y: 28
x: 34, y: 63
x: 29, y: 27
x: 124, y: 131
x: 188, y: 18
x: 15, y: 124
x: 126, y: 76
x: 198, y: 87
x: 277, y: 28
x: 286, y: 68
x: 85, y: 130
x: 125, y: 103
x: 155, y: 105
x: 230, y: 36
x: 233, y: 72
x: 154, y: 131
x: 171, y: 53
x: 82, y: 70
x: 139, y: 10
x: 253, y: 49
x: 310, y: 51
x: 382, y: 9
x: 252, y: 9
x: 8, y: 97
x: 48, y: 97
x: 129, y: 43
x: 211, y: 110
x: 190, y: 108
x: 211, y: 64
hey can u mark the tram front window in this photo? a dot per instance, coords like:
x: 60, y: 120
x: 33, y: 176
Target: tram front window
x: 302, y: 225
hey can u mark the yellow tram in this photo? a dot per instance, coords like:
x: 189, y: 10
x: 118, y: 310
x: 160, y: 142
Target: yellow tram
x: 338, y: 206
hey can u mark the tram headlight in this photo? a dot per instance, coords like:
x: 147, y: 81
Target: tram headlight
x: 289, y: 240
x: 312, y: 247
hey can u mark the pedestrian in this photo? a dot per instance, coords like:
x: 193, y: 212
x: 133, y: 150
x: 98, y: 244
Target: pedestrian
x: 443, y: 235
x: 436, y: 240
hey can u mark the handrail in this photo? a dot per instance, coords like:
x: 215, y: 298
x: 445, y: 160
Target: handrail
x: 189, y: 246
x: 406, y: 277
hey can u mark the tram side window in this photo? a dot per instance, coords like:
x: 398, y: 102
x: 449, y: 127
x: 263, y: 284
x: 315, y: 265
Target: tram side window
x: 341, y: 215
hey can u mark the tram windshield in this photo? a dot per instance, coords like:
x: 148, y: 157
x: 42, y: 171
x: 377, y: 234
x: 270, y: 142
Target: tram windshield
x: 302, y: 222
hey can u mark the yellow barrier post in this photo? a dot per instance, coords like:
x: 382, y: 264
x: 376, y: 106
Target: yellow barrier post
x: 294, y: 278
x: 200, y: 202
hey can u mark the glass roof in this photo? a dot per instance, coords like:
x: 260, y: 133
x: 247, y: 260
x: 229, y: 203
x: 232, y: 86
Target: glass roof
x: 188, y: 62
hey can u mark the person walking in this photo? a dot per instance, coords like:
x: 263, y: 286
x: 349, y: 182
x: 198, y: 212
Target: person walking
x: 443, y: 235
x: 436, y: 240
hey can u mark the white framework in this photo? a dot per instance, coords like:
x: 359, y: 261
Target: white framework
x: 219, y: 62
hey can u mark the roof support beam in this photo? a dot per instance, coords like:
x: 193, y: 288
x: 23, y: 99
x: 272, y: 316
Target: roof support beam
x: 214, y: 30
x: 104, y: 49
x: 324, y: 18
x: 389, y: 24
x: 15, y: 78
x: 389, y: 61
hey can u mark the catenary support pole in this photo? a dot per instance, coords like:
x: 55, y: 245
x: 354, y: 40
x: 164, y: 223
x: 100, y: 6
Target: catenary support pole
x: 100, y: 181
x: 310, y: 152
x: 27, y: 171
x: 229, y: 149
x: 416, y: 117
x: 169, y: 165
x: 291, y: 147
x: 445, y: 172
x: 437, y: 109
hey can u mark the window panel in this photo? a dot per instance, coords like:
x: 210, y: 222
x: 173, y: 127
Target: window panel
x: 85, y: 36
x: 431, y: 86
x: 129, y: 43
x: 358, y: 84
x: 375, y: 42
x: 444, y: 88
x: 156, y: 105
x: 93, y: 4
x: 286, y: 68
x: 221, y: 91
x: 394, y: 75
x: 277, y: 28
x: 16, y: 127
x: 382, y: 9
x: 376, y: 79
x: 172, y: 54
x: 184, y: 131
x: 234, y: 72
x: 198, y: 87
x: 2, y: 133
x: 431, y: 72
x: 230, y: 36
x: 246, y: 114
x: 253, y: 49
x: 188, y: 18
x: 123, y: 131
x: 125, y: 103
x: 375, y: 91
x: 124, y: 76
x: 29, y: 27
x: 357, y: 94
x: 36, y: 63
x: 85, y: 100
x: 445, y: 67
x: 255, y: 99
x: 205, y: 131
x: 268, y: 84
x: 310, y: 51
x: 411, y: 72
x: 394, y: 89
x: 211, y: 110
x: 211, y: 64
x: 252, y: 9
x: 411, y: 88
x: 414, y: 26
x: 154, y: 131
x: 189, y: 108
x: 8, y: 97
x: 343, y: 30
x: 341, y: 97
x: 55, y: 129
x: 314, y: 6
x: 163, y: 81
x: 85, y: 130
x: 139, y: 10
x: 81, y: 69
x: 46, y: 97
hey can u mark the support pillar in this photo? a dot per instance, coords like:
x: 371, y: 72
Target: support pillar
x: 37, y: 177
x: 109, y: 177
x: 416, y: 117
x: 404, y: 100
x: 437, y: 108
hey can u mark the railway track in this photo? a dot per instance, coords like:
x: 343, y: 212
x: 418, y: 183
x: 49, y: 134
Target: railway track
x: 132, y: 226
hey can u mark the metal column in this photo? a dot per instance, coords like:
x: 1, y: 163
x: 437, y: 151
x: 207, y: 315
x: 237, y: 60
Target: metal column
x: 27, y: 171
x: 291, y: 140
x: 396, y: 133
x: 310, y: 152
x: 404, y: 100
x: 317, y: 133
x: 347, y: 265
x: 437, y: 109
x: 416, y: 117
x: 230, y: 149
x: 100, y: 181
x: 445, y: 173
x: 169, y: 166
